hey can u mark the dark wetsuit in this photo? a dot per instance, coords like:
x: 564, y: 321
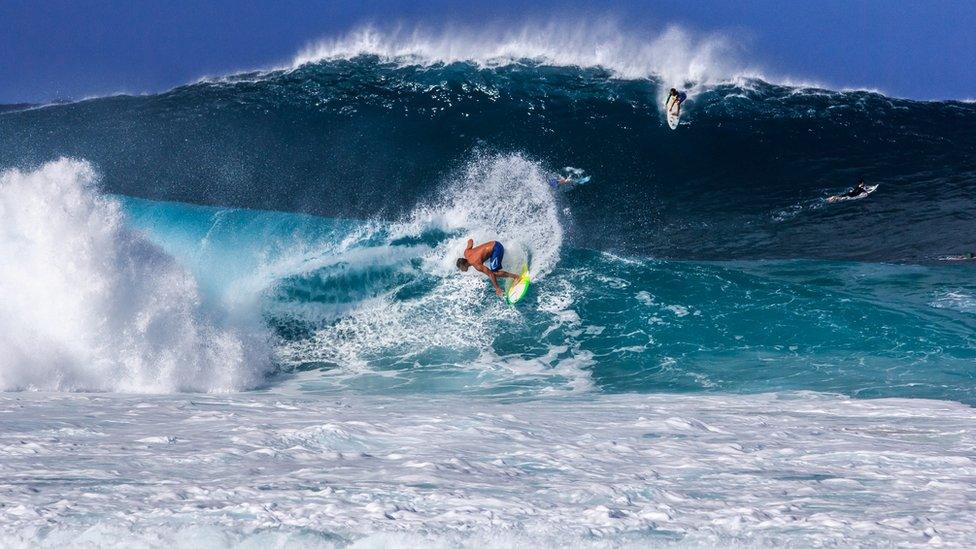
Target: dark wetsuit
x: 856, y: 191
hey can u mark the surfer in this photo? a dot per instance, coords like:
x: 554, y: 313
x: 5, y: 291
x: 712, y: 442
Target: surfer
x: 965, y: 257
x: 675, y: 100
x: 486, y: 258
x: 560, y: 180
x: 858, y: 190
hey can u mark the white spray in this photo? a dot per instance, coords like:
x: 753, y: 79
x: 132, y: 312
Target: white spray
x: 90, y: 305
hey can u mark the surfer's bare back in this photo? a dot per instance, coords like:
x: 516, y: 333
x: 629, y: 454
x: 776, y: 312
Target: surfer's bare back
x: 486, y: 258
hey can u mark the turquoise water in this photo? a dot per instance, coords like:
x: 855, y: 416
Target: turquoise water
x: 613, y: 323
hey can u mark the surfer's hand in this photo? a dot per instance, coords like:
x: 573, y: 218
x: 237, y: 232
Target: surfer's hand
x: 498, y: 291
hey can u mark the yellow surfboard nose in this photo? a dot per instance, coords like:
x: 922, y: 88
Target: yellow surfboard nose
x: 519, y: 288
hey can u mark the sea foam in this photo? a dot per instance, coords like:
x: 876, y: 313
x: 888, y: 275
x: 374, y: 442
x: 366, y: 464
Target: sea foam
x: 89, y: 304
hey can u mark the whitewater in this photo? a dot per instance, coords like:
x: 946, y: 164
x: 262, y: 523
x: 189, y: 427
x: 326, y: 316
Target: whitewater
x: 231, y: 317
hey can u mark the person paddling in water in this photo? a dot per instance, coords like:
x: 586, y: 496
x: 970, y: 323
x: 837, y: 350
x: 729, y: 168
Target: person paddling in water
x: 675, y: 100
x: 858, y: 190
x: 486, y: 258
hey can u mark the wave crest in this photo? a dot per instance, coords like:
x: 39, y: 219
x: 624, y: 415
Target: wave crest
x: 674, y: 55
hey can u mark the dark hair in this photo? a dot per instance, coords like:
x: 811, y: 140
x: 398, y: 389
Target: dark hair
x: 674, y: 91
x: 462, y: 263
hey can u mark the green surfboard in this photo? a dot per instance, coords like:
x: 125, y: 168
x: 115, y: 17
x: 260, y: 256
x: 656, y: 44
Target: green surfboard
x: 517, y: 291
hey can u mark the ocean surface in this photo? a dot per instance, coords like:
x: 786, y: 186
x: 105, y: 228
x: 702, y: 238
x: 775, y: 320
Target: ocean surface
x: 230, y: 314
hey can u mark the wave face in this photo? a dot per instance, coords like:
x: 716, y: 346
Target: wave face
x: 377, y: 307
x: 372, y: 136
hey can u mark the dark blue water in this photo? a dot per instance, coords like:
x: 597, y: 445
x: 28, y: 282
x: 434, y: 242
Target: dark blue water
x: 743, y: 178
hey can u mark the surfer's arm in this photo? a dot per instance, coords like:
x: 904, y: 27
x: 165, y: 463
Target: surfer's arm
x: 494, y: 282
x: 493, y: 276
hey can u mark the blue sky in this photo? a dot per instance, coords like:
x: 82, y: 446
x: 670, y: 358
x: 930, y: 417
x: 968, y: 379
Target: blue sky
x: 52, y: 49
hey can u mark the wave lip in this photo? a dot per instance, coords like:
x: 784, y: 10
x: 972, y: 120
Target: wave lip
x: 90, y: 305
x: 674, y: 54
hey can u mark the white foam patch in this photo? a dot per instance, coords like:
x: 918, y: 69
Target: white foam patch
x: 264, y: 470
x: 562, y: 370
x: 89, y: 304
x: 497, y: 197
x: 958, y: 300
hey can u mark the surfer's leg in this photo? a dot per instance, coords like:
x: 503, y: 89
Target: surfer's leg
x: 507, y: 274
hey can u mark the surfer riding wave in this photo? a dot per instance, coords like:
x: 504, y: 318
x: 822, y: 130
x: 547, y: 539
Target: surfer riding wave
x: 486, y: 258
x: 675, y: 99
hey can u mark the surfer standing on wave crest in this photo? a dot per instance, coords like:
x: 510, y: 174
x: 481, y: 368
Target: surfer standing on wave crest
x: 675, y: 100
x: 486, y: 258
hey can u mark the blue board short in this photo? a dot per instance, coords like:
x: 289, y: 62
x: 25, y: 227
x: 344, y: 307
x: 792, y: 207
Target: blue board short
x: 495, y: 261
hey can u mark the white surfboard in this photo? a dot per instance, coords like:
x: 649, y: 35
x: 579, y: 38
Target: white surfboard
x: 673, y: 115
x: 842, y: 198
x: 958, y: 258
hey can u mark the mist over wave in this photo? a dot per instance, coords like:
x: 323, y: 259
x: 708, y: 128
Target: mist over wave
x: 91, y: 305
x: 670, y: 55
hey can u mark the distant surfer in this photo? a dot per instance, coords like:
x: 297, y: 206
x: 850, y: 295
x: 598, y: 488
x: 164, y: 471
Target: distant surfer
x: 965, y: 257
x: 675, y: 99
x: 486, y: 258
x: 569, y: 177
x: 858, y: 190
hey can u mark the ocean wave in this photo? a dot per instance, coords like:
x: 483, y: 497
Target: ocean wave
x: 671, y: 55
x: 91, y: 305
x: 743, y: 177
x: 378, y: 307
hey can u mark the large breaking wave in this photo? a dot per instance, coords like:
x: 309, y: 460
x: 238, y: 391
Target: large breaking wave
x: 363, y: 136
x: 320, y: 206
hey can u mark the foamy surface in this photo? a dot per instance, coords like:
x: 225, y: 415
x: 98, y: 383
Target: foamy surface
x: 277, y: 469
